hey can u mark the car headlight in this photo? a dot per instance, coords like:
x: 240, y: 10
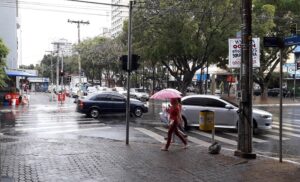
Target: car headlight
x: 265, y: 116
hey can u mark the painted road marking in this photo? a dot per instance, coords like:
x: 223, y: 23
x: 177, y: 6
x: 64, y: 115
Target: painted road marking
x: 286, y: 124
x: 53, y: 127
x: 286, y: 133
x: 254, y: 139
x: 220, y: 139
x: 52, y: 122
x: 152, y: 134
x: 190, y: 138
x: 75, y: 130
x: 286, y: 128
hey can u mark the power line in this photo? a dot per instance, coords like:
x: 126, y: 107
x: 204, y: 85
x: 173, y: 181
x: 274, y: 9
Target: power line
x: 106, y: 4
x: 56, y: 10
x: 56, y: 5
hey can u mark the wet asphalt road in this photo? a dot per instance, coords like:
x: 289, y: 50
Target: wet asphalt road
x: 48, y: 120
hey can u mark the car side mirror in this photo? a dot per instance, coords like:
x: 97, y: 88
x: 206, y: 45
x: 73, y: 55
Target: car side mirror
x: 228, y: 107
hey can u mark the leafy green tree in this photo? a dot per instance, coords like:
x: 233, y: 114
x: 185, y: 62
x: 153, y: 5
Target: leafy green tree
x: 99, y: 56
x: 272, y: 18
x: 3, y: 54
x: 184, y: 36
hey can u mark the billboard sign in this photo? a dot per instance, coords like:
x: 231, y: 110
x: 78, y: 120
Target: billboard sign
x: 235, y: 52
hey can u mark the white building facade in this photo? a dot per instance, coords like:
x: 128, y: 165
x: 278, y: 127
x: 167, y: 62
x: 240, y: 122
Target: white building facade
x: 8, y: 31
x: 118, y: 15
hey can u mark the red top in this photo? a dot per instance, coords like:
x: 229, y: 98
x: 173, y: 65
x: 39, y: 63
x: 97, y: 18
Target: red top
x: 174, y: 111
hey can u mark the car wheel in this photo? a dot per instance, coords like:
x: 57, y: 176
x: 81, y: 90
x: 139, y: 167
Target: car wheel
x: 138, y: 112
x: 94, y: 113
x: 185, y: 125
x: 255, y: 129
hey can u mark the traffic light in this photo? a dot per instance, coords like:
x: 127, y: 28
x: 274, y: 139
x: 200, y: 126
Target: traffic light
x: 293, y: 28
x: 134, y: 62
x: 123, y: 60
x: 61, y: 73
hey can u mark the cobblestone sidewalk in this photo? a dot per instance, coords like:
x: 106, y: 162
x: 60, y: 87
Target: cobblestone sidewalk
x: 96, y: 159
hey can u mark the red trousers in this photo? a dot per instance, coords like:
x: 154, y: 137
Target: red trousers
x: 174, y: 128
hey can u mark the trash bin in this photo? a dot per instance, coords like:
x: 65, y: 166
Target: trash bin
x: 207, y: 121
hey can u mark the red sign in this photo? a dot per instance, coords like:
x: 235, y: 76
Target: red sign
x: 230, y: 79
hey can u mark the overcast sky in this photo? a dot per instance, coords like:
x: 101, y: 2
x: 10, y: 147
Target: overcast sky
x: 43, y: 22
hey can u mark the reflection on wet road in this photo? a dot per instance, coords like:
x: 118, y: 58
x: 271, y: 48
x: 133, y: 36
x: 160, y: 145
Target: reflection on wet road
x: 52, y: 120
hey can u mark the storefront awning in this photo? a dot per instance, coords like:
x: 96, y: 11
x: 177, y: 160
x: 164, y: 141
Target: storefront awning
x: 19, y: 73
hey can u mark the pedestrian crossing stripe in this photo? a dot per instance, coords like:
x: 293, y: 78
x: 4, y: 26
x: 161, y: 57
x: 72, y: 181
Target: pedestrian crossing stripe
x: 53, y: 127
x: 275, y: 137
x: 190, y: 138
x: 75, y: 130
x: 257, y: 140
x: 151, y: 134
x: 56, y: 123
x: 48, y: 116
x: 287, y: 124
x: 287, y: 128
x: 286, y: 133
x: 290, y: 121
x: 220, y: 139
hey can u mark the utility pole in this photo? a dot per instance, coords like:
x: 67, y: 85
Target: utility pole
x: 245, y: 125
x: 58, y: 46
x: 51, y: 66
x: 51, y: 70
x: 78, y: 28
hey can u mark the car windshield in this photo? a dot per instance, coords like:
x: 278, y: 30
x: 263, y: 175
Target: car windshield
x: 231, y: 102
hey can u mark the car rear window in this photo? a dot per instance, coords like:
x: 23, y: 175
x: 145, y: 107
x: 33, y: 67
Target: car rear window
x: 202, y: 101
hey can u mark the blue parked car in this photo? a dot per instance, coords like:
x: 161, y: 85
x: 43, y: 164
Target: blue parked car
x: 109, y: 103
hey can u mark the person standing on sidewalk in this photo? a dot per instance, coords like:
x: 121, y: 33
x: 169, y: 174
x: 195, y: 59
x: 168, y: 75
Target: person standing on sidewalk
x: 174, y: 122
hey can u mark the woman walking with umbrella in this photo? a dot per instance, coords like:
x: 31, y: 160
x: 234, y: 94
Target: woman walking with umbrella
x: 174, y: 112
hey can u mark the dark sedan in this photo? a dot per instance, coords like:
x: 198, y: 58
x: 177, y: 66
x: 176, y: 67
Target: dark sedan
x: 109, y: 103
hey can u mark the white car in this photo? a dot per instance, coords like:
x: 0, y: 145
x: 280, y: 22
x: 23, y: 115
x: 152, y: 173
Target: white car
x: 225, y: 112
x: 120, y: 90
x: 92, y: 89
x: 139, y: 94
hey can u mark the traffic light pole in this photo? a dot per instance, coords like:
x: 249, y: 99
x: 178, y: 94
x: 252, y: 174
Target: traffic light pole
x: 245, y: 125
x: 129, y: 59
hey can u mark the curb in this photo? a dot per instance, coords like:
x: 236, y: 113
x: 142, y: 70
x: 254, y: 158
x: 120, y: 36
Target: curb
x: 275, y: 105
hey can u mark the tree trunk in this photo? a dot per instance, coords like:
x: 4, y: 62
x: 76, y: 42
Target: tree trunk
x: 187, y: 80
x: 264, y: 91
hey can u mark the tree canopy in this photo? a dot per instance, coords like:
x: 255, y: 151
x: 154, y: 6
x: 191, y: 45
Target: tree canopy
x: 184, y: 36
x: 3, y: 54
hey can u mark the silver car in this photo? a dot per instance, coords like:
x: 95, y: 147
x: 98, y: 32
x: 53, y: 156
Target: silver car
x: 225, y: 112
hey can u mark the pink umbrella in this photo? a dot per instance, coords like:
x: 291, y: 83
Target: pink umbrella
x: 165, y: 94
x: 174, y: 90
